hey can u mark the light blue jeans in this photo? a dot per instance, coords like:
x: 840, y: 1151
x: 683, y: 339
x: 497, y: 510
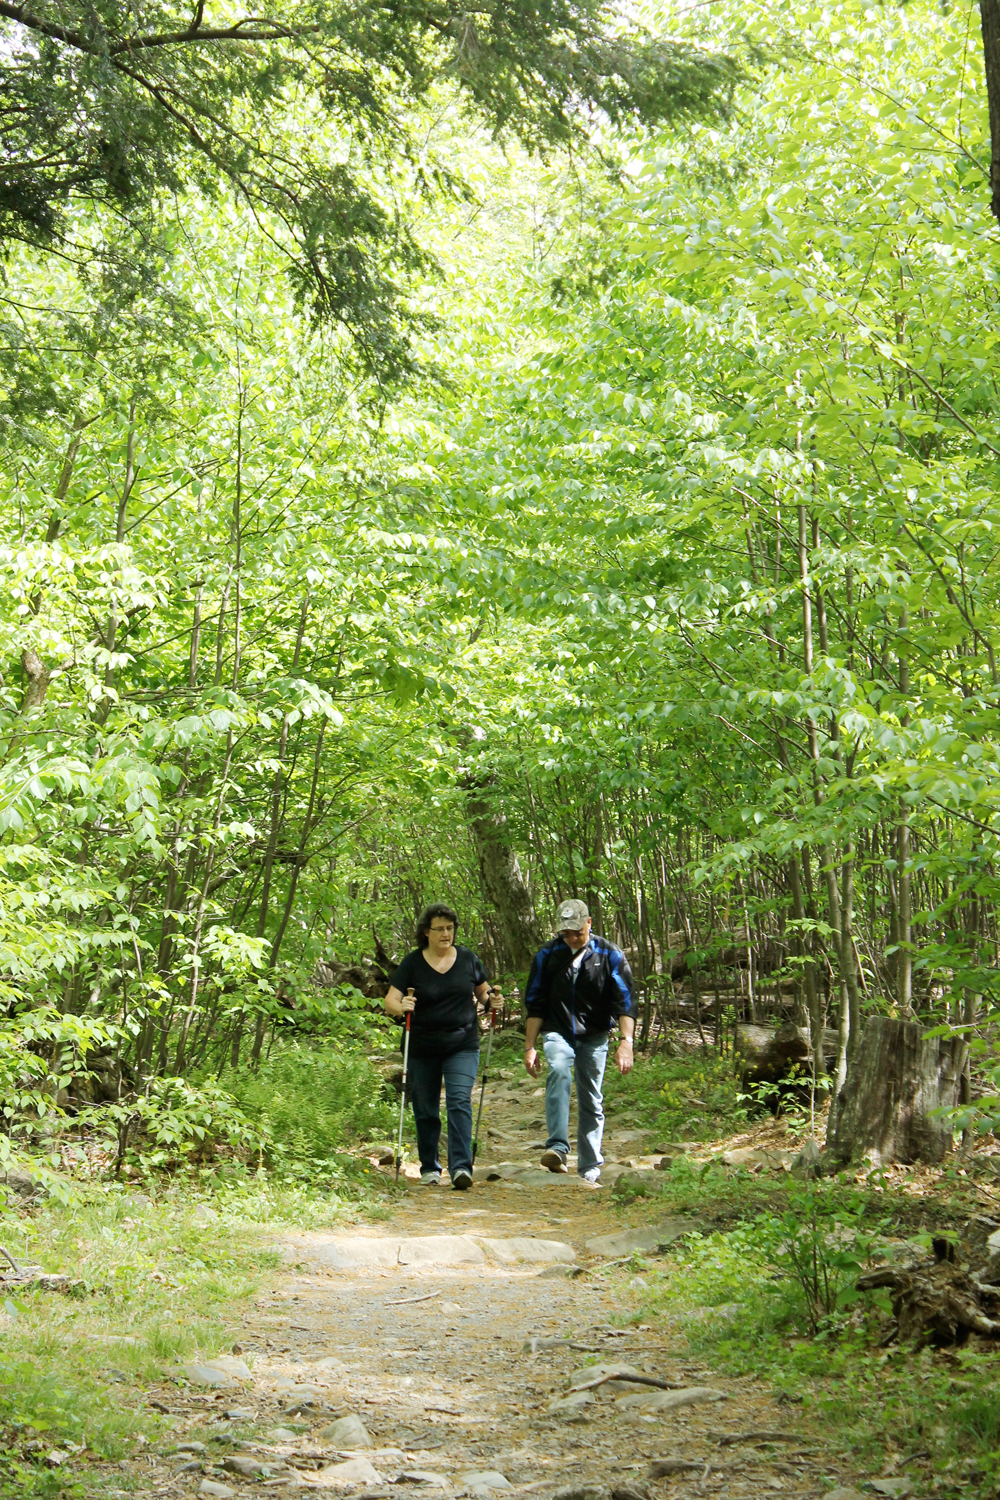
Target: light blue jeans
x: 587, y: 1057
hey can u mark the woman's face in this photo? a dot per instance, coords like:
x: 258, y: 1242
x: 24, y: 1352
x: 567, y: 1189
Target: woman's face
x: 441, y: 933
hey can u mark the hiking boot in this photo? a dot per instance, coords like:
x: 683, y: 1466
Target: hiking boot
x: 462, y: 1180
x: 554, y: 1160
x: 430, y: 1179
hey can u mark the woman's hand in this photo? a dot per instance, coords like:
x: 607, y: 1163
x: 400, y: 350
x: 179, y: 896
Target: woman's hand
x: 396, y: 1004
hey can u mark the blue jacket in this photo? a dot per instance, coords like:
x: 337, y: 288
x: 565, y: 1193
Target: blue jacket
x: 590, y: 1001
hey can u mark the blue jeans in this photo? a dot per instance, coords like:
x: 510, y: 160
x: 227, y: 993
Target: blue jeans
x: 424, y: 1086
x: 587, y: 1057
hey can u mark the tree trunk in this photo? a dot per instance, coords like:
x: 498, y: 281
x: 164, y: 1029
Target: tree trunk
x: 989, y: 12
x: 37, y: 674
x: 505, y: 894
x: 885, y: 1109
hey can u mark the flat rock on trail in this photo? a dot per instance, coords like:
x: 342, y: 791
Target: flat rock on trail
x: 458, y: 1333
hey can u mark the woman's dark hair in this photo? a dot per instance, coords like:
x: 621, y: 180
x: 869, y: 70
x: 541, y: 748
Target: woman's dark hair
x: 424, y: 925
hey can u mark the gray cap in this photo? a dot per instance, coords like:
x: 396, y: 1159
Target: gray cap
x: 571, y: 915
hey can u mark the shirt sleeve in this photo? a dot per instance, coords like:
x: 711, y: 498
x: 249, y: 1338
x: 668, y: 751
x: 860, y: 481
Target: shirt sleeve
x: 534, y: 1000
x: 479, y: 974
x: 620, y: 976
x: 402, y: 979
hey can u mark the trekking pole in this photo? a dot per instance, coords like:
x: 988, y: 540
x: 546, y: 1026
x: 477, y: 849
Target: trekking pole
x: 482, y: 1091
x: 402, y: 1098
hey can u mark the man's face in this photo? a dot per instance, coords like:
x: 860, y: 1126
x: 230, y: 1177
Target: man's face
x: 576, y: 937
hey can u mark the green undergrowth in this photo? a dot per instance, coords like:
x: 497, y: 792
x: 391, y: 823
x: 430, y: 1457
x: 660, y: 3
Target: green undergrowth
x: 774, y: 1297
x: 723, y: 1197
x: 314, y: 1102
x: 694, y: 1096
x: 161, y: 1270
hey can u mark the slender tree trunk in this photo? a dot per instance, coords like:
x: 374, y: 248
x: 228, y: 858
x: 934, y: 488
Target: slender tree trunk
x: 904, y: 960
x: 195, y: 639
x: 851, y: 957
x: 989, y: 15
x: 300, y: 862
x: 826, y: 854
x: 180, y: 1055
x: 54, y: 527
x: 220, y: 632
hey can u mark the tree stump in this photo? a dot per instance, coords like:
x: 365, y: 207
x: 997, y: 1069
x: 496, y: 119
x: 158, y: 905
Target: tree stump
x: 896, y: 1081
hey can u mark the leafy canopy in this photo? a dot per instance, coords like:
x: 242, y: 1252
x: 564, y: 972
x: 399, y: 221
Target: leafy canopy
x: 310, y: 115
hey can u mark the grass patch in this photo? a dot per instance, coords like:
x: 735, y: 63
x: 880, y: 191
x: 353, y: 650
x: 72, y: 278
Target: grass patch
x: 163, y: 1277
x: 691, y: 1097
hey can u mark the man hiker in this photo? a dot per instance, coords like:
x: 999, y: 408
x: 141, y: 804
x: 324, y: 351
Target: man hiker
x: 580, y: 984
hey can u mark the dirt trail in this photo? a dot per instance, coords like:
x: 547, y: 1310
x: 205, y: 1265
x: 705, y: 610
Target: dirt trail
x: 422, y: 1325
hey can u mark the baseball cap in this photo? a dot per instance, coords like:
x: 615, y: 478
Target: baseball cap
x: 571, y: 915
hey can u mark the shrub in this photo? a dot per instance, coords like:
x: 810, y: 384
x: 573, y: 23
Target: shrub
x: 176, y: 1122
x: 821, y: 1246
x: 313, y: 1102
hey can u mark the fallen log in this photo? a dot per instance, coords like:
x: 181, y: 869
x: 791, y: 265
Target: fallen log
x: 660, y: 1385
x: 764, y: 1436
x: 16, y: 1275
x: 50, y: 1281
x: 767, y: 1054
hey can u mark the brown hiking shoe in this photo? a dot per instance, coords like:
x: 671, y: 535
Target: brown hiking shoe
x: 554, y: 1160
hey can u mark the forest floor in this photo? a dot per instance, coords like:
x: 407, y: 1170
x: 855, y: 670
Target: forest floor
x: 451, y: 1327
x: 215, y: 1348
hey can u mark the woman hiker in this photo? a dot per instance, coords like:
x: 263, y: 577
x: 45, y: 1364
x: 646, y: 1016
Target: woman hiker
x: 444, y: 1040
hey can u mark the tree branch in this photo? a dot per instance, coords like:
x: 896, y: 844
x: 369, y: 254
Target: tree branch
x: 265, y: 30
x: 989, y: 12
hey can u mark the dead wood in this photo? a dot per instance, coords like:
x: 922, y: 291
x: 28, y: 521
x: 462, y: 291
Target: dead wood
x: 659, y: 1468
x: 891, y: 1105
x: 759, y: 1437
x: 767, y: 1054
x: 937, y: 1301
x: 34, y: 1276
x: 661, y: 1385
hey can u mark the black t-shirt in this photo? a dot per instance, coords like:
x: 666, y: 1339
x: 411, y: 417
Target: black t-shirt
x: 444, y: 1020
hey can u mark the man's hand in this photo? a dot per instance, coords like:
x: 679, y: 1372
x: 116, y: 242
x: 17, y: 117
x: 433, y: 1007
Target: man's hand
x: 532, y: 1031
x: 624, y: 1057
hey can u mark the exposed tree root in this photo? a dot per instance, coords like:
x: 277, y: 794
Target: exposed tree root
x: 937, y: 1301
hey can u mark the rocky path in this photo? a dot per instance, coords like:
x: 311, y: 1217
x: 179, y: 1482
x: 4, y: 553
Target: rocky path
x: 448, y: 1350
